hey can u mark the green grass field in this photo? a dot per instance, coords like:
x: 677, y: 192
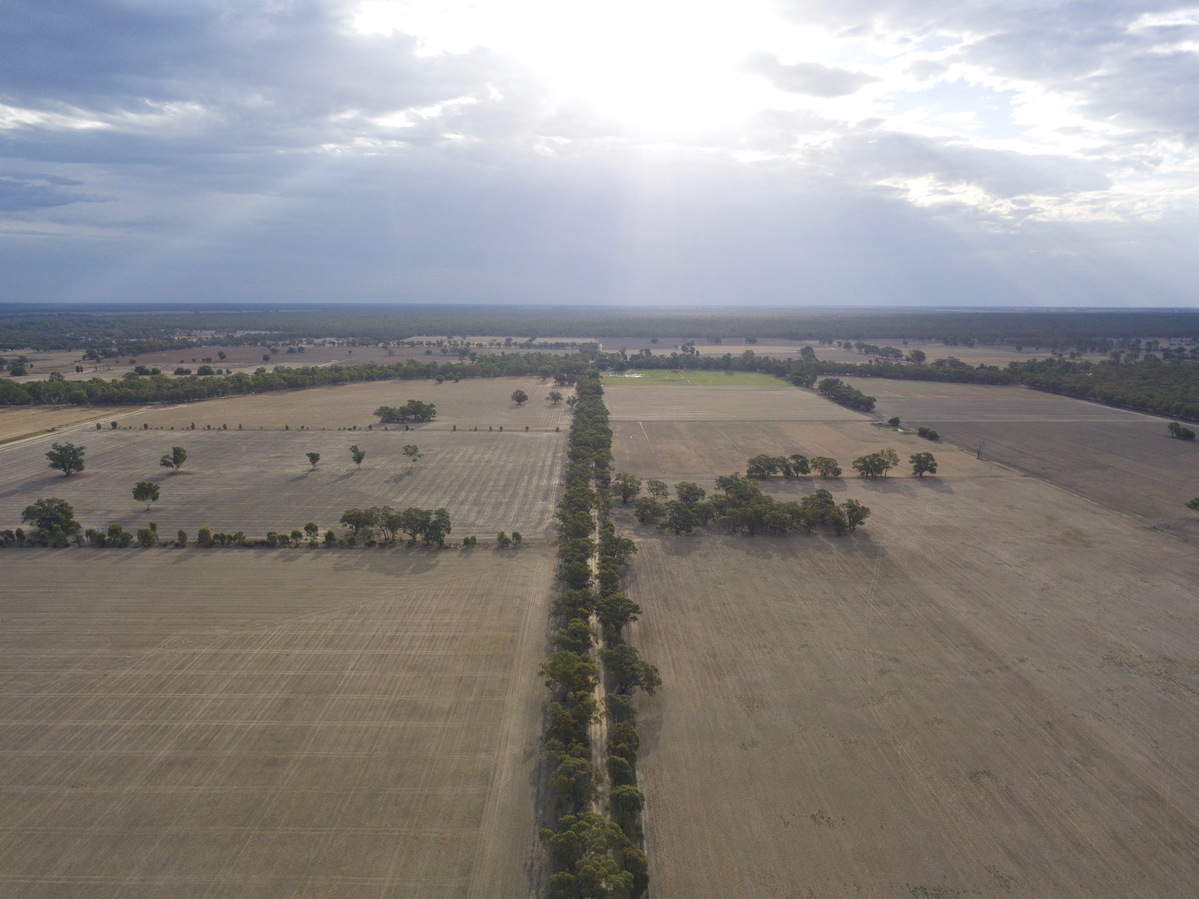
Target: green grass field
x: 660, y: 376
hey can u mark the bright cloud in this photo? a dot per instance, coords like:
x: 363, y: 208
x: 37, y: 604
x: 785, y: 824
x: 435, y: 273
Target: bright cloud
x: 539, y: 150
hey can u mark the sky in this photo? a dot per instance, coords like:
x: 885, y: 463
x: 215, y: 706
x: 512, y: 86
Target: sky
x: 658, y: 152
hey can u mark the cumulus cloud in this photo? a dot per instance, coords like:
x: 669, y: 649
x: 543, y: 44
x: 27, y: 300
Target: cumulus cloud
x: 809, y: 78
x: 919, y: 153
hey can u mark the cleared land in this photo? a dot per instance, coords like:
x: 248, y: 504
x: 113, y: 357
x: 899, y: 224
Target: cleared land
x: 260, y: 481
x: 662, y: 403
x: 22, y: 421
x: 990, y: 690
x: 478, y: 402
x: 240, y: 723
x: 691, y: 378
x: 1123, y: 460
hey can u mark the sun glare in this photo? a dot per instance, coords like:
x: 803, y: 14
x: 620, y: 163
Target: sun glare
x: 668, y: 68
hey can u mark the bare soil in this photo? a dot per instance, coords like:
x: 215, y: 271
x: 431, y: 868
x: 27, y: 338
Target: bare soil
x: 1121, y: 459
x: 243, y: 723
x: 477, y: 403
x: 991, y: 689
x: 260, y: 481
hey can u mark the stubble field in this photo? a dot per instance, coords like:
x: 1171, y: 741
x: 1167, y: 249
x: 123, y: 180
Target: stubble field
x: 260, y: 480
x: 239, y: 723
x: 989, y: 690
x: 1121, y: 459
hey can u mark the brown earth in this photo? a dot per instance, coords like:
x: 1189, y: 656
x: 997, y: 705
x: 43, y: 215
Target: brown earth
x: 991, y: 689
x: 244, y: 723
x: 260, y: 481
x: 1121, y: 459
x: 475, y: 403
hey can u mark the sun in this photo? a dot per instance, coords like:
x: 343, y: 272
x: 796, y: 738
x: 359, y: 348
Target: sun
x: 667, y: 68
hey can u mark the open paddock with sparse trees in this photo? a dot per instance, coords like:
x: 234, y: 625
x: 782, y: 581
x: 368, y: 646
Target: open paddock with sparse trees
x: 989, y: 690
x: 466, y: 404
x: 251, y: 724
x: 261, y: 481
x: 1124, y: 460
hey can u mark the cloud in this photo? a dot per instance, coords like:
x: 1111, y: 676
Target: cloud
x: 809, y: 78
x: 22, y: 193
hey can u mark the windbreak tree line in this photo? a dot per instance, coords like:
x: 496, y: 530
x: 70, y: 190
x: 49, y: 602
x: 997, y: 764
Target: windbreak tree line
x: 592, y: 856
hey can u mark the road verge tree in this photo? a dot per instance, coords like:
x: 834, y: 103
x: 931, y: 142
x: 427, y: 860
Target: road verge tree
x: 591, y: 856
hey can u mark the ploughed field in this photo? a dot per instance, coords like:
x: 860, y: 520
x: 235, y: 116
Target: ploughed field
x: 1121, y: 459
x: 249, y: 723
x: 990, y: 689
x: 257, y: 481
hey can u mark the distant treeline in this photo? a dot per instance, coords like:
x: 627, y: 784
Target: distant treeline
x: 132, y: 330
x: 138, y: 390
x: 1146, y: 384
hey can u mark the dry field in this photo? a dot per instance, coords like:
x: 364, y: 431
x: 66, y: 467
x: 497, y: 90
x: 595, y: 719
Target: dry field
x: 475, y: 403
x: 783, y: 403
x: 1120, y: 459
x: 990, y: 690
x: 240, y: 358
x: 242, y: 723
x: 260, y: 481
x: 28, y: 421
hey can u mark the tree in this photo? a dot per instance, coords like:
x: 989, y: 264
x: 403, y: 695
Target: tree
x: 678, y: 518
x: 629, y: 671
x: 51, y: 516
x: 1178, y: 432
x: 174, y: 459
x: 554, y: 397
x: 313, y: 458
x: 626, y: 802
x: 146, y: 492
x: 412, y: 451
x: 657, y: 489
x: 66, y: 457
x: 893, y: 421
x: 1193, y: 504
x: 361, y: 521
x: 313, y: 530
x: 357, y: 454
x: 855, y: 513
x: 922, y: 464
x: 689, y: 493
x: 826, y: 467
x: 616, y: 610
x: 519, y: 396
x: 627, y: 485
x: 414, y: 522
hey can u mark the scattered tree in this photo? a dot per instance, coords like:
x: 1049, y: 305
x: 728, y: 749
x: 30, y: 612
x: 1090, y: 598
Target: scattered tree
x: 174, y: 459
x: 413, y: 410
x: 146, y: 492
x: 1193, y: 504
x: 357, y: 454
x: 657, y: 489
x: 313, y: 458
x: 554, y: 397
x: 519, y: 397
x: 66, y: 457
x: 678, y: 518
x: 626, y: 485
x: 1178, y: 432
x: 826, y: 467
x: 54, y: 518
x: 689, y: 493
x: 922, y: 464
x: 412, y: 451
x: 893, y: 421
